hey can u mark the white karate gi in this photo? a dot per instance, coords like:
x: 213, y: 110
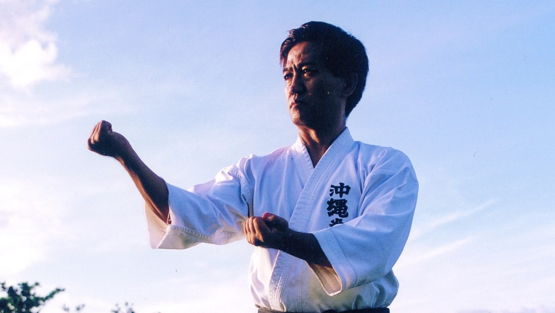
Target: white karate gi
x: 371, y: 191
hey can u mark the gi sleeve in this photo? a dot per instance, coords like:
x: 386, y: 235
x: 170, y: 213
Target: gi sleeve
x: 366, y: 248
x: 206, y: 213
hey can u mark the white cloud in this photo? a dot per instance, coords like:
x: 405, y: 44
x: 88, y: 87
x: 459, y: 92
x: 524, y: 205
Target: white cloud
x: 29, y: 216
x: 27, y: 50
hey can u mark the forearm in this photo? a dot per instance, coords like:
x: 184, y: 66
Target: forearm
x: 304, y: 246
x: 152, y: 188
x: 106, y: 142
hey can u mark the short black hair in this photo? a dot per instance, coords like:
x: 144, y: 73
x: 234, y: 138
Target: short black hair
x: 340, y: 52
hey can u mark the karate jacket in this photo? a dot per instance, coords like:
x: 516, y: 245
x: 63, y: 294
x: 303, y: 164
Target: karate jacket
x: 358, y: 201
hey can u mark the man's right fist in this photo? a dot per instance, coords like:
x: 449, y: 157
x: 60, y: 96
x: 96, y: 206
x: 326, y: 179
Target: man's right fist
x: 106, y: 142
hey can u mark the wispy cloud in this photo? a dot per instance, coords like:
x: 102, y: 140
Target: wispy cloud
x: 420, y: 230
x: 17, y: 110
x: 424, y: 256
x: 28, y: 51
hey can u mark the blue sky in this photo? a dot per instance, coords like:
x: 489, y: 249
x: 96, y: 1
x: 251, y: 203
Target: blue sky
x: 465, y: 88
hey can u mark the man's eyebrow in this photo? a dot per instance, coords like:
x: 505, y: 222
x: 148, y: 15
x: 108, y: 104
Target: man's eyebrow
x: 300, y: 65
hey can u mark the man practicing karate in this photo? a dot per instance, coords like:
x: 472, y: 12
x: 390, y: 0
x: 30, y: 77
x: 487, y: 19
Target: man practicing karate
x: 328, y: 216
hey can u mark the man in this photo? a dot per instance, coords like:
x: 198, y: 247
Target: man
x: 329, y: 216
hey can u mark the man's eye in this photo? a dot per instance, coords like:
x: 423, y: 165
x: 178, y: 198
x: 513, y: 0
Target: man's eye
x: 287, y: 76
x: 308, y: 71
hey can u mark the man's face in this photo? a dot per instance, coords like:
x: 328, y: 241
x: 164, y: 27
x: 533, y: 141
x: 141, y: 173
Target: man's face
x: 315, y: 98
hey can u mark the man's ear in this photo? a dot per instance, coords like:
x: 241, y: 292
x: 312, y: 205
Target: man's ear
x: 350, y: 84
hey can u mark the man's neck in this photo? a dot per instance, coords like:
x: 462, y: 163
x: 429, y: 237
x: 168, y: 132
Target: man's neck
x: 317, y: 142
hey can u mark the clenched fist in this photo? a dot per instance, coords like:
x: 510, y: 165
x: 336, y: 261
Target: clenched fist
x: 107, y: 142
x: 269, y: 231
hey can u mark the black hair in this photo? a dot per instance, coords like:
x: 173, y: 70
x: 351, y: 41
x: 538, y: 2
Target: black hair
x: 340, y: 52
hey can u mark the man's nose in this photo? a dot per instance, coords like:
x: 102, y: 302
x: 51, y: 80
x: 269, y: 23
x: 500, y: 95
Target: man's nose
x: 297, y: 84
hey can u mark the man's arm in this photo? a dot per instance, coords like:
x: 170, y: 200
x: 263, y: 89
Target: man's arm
x: 272, y: 231
x: 153, y: 188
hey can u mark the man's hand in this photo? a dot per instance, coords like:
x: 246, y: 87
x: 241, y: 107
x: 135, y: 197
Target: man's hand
x: 272, y: 231
x: 106, y: 142
x: 268, y: 231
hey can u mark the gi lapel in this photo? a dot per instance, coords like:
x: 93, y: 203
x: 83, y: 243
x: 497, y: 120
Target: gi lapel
x: 316, y: 178
x: 329, y: 163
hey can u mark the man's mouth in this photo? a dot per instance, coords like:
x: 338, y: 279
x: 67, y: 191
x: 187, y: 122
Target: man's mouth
x: 296, y: 103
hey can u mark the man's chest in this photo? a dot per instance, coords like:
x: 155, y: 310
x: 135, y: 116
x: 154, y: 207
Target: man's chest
x: 313, y: 202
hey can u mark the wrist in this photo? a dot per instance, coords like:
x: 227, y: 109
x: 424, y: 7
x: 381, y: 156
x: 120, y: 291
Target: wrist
x: 127, y: 156
x: 288, y: 240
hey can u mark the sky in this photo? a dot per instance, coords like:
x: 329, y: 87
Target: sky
x: 464, y: 88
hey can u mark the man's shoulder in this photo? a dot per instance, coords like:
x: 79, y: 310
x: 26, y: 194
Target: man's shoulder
x: 277, y: 153
x: 376, y: 150
x: 255, y: 160
x: 382, y: 156
x: 366, y: 150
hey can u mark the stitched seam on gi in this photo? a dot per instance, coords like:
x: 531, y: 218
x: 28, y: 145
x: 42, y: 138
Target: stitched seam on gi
x: 190, y: 232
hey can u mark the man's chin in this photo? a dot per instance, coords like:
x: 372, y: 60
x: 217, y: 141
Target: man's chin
x: 298, y: 119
